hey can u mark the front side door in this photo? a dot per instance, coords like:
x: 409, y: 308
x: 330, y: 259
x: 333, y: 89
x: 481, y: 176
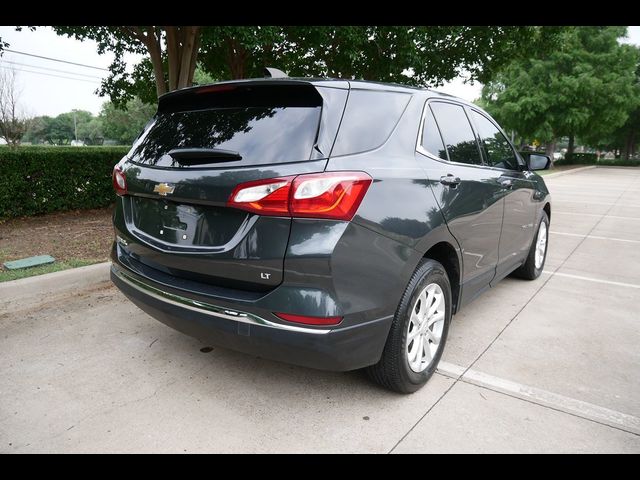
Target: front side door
x: 469, y: 194
x: 519, y: 212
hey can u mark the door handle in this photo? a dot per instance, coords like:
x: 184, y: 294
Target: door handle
x: 450, y: 181
x: 506, y: 183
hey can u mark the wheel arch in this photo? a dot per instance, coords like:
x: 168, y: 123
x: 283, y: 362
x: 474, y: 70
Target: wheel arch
x: 547, y: 209
x: 445, y: 253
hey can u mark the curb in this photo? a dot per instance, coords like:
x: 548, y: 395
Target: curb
x: 567, y: 172
x: 33, y: 289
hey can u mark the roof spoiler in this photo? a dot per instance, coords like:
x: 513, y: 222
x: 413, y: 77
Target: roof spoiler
x: 274, y: 73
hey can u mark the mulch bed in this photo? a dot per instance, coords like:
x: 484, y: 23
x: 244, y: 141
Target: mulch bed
x: 75, y: 235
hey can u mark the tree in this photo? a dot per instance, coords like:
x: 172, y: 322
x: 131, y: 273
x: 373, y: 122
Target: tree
x: 90, y: 132
x: 200, y: 77
x: 235, y: 52
x: 172, y: 54
x: 425, y: 56
x: 62, y: 129
x: 628, y: 135
x: 584, y: 88
x: 421, y: 56
x: 626, y: 138
x: 124, y: 126
x: 38, y: 131
x: 13, y: 121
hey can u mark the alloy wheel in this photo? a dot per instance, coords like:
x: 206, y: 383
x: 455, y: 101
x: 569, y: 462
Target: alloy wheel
x: 424, y: 330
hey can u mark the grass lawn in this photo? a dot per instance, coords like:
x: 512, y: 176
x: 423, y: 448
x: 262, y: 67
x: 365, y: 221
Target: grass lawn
x: 74, y: 239
x: 7, y: 275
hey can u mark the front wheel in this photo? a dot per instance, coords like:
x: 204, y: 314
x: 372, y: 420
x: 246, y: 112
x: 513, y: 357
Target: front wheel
x: 532, y: 267
x: 418, y: 332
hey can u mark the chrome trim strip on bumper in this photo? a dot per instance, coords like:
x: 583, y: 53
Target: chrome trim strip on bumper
x: 207, y: 308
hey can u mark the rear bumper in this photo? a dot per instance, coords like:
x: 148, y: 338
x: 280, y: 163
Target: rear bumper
x: 247, y: 328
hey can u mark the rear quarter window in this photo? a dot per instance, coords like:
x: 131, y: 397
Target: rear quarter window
x: 368, y: 120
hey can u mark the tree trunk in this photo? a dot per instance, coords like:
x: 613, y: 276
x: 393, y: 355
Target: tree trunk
x: 194, y: 58
x: 236, y: 57
x: 186, y: 55
x: 571, y: 146
x: 624, y: 151
x: 173, y: 49
x: 628, y: 145
x: 550, y: 148
x: 182, y: 54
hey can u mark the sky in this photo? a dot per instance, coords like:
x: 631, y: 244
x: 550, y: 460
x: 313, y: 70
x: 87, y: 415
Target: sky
x: 46, y: 93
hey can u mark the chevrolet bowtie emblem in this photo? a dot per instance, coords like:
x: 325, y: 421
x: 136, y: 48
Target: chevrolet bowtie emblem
x: 164, y: 189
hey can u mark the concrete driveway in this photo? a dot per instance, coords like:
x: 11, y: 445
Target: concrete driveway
x: 546, y: 366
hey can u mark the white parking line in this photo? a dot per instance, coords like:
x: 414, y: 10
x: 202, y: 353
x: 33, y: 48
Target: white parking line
x: 579, y: 187
x: 604, y: 204
x: 564, y: 189
x: 596, y: 237
x: 561, y: 191
x: 572, y: 406
x: 586, y: 410
x: 589, y: 279
x: 596, y: 215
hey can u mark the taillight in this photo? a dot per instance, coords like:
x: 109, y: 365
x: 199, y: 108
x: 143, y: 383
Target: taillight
x: 328, y: 195
x: 307, y: 320
x: 267, y: 197
x: 335, y: 195
x: 119, y: 181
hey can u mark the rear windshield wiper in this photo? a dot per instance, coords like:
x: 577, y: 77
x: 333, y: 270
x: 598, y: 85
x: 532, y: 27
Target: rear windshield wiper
x: 198, y: 156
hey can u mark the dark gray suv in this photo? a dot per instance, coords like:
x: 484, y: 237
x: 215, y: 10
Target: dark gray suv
x: 328, y: 223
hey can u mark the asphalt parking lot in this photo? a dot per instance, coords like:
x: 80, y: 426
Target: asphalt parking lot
x: 546, y: 366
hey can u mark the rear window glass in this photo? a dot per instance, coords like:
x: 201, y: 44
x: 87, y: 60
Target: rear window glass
x: 264, y: 125
x: 368, y: 120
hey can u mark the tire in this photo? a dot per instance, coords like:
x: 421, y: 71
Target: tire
x: 394, y: 370
x: 528, y: 270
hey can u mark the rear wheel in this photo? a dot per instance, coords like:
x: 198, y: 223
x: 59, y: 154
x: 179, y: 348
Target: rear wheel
x: 418, y: 332
x: 532, y: 267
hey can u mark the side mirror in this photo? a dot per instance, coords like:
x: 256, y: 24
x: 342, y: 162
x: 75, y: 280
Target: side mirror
x: 538, y: 162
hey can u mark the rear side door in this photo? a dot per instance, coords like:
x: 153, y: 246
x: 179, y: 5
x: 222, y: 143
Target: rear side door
x: 519, y: 206
x: 469, y: 194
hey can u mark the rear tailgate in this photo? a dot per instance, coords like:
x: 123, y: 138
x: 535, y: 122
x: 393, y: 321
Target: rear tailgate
x: 203, y: 143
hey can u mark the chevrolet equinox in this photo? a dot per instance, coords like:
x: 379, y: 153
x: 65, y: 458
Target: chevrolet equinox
x: 327, y: 223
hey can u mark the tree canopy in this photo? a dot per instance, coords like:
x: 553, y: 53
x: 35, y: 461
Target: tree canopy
x: 61, y: 129
x: 585, y: 88
x: 124, y: 126
x: 415, y: 55
x: 626, y: 137
x: 112, y: 125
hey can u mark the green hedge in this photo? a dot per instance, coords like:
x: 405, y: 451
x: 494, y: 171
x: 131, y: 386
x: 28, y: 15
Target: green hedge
x: 582, y: 159
x: 592, y: 159
x: 618, y: 162
x: 47, y: 179
x: 579, y: 159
